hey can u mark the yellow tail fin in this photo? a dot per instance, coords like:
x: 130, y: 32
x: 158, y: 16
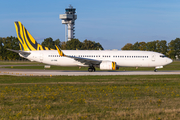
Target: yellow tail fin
x: 27, y: 42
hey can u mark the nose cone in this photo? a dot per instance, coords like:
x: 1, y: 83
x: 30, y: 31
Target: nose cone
x: 169, y: 60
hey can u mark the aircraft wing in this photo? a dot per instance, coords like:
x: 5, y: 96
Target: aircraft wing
x: 85, y: 61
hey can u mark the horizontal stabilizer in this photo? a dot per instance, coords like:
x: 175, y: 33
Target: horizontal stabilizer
x: 18, y: 51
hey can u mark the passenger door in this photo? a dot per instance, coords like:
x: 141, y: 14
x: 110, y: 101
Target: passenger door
x: 153, y: 57
x: 41, y: 57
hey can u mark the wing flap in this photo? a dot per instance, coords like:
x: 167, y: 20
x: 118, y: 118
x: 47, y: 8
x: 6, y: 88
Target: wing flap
x: 87, y: 61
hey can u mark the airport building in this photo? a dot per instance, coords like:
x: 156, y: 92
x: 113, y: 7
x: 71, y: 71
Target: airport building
x: 69, y: 20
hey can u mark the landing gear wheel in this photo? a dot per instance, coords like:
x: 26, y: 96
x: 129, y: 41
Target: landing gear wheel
x: 91, y: 69
x: 155, y: 70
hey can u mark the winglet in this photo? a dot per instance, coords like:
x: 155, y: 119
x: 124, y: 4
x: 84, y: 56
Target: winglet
x: 59, y: 51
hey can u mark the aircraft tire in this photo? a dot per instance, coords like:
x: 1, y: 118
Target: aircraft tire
x: 155, y: 70
x: 90, y: 69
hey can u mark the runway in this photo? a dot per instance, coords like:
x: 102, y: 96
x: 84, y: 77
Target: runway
x: 35, y: 72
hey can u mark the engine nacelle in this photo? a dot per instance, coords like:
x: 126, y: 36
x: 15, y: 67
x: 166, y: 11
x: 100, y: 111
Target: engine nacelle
x: 108, y: 65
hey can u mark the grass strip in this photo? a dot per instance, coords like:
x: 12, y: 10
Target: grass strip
x: 90, y: 97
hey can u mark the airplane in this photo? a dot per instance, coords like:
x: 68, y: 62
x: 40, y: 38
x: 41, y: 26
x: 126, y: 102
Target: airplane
x: 103, y: 59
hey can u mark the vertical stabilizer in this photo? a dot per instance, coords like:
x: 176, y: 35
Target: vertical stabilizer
x: 26, y: 41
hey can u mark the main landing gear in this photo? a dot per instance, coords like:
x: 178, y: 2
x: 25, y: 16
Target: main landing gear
x: 155, y: 70
x: 91, y: 69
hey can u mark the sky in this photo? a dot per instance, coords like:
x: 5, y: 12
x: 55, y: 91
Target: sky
x: 112, y: 23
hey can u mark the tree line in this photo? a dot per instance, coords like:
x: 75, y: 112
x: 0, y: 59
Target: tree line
x: 73, y: 44
x: 13, y: 43
x: 171, y: 50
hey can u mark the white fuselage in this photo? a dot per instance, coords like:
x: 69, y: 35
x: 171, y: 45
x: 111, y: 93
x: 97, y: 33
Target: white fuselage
x: 122, y: 58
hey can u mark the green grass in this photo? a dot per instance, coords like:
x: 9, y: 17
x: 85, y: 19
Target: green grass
x: 19, y: 63
x: 90, y: 97
x: 51, y: 68
x: 173, y: 66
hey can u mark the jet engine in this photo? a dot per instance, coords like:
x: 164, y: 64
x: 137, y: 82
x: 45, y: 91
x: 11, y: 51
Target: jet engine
x: 108, y: 65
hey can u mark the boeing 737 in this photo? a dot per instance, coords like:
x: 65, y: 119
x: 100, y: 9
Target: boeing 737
x: 103, y: 59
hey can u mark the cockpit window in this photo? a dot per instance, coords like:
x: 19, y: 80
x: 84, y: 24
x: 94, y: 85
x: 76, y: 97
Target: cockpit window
x: 162, y: 56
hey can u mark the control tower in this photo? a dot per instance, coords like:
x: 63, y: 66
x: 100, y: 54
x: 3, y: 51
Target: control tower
x: 69, y: 20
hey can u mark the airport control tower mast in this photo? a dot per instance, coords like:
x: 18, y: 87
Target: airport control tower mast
x: 69, y: 20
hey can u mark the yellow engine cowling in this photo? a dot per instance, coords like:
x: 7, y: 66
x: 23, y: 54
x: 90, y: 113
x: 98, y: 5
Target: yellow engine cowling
x: 108, y: 65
